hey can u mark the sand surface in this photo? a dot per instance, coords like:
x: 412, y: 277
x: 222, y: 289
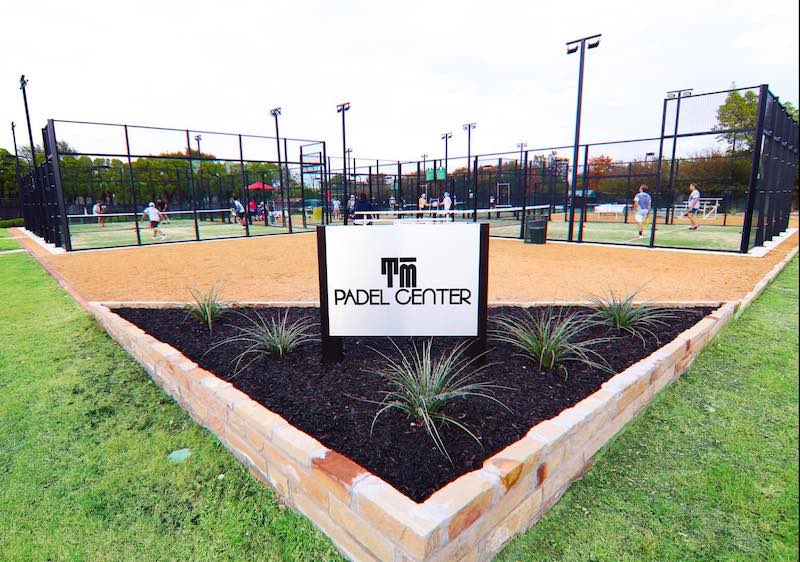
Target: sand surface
x: 284, y: 268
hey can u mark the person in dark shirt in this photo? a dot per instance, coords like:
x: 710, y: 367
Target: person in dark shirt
x: 362, y: 205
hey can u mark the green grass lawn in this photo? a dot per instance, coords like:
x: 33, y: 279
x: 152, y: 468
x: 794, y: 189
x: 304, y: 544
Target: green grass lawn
x: 7, y: 242
x: 708, y: 472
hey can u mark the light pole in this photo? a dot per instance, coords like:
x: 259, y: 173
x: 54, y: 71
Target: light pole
x: 445, y: 138
x: 343, y: 108
x: 275, y: 112
x: 198, y: 138
x: 351, y: 167
x: 468, y: 127
x: 679, y: 95
x: 22, y: 84
x: 521, y: 146
x: 16, y: 158
x: 581, y: 45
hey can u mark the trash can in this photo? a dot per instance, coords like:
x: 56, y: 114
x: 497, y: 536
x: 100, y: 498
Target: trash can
x: 316, y: 215
x: 536, y: 231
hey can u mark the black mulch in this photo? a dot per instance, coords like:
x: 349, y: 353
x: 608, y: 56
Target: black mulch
x: 332, y: 403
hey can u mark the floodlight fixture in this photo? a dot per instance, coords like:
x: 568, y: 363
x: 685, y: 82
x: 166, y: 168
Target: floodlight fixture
x: 275, y: 112
x: 590, y: 41
x: 447, y: 136
x: 342, y: 107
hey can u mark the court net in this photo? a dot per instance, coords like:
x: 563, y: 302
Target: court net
x: 508, y: 216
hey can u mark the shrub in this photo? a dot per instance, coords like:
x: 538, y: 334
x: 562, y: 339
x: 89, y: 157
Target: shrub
x: 622, y: 315
x: 551, y: 339
x: 269, y: 337
x: 8, y: 223
x: 206, y: 306
x: 423, y: 384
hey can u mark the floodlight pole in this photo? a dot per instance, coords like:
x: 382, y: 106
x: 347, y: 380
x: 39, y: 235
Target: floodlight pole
x: 445, y: 138
x: 198, y: 138
x: 468, y: 128
x: 342, y: 108
x: 573, y: 46
x: 521, y: 146
x: 680, y: 94
x: 275, y: 112
x: 22, y: 84
x: 16, y: 158
x: 425, y: 172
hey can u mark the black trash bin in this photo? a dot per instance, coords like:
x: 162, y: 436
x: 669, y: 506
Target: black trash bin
x: 536, y: 231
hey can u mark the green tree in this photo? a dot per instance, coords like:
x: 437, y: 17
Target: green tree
x: 737, y: 112
x: 8, y: 174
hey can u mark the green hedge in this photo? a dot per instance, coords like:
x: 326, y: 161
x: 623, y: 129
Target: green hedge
x: 7, y: 223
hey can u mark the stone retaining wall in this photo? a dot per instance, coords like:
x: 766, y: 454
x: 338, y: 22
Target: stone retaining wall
x: 471, y: 518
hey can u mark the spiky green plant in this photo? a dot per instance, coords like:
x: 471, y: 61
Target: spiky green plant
x: 623, y: 315
x: 274, y: 336
x: 206, y: 306
x: 421, y: 386
x: 551, y: 339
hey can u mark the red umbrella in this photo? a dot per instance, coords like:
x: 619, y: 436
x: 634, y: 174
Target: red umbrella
x: 257, y: 186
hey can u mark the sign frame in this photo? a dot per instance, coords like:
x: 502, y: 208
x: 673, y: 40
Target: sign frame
x: 332, y: 346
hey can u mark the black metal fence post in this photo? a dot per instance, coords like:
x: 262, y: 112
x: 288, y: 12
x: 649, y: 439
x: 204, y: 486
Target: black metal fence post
x: 752, y: 187
x: 475, y: 190
x: 288, y: 200
x: 585, y: 185
x: 191, y: 186
x: 243, y: 191
x: 654, y: 198
x: 133, y: 188
x: 302, y: 192
x: 524, y: 195
x: 325, y: 186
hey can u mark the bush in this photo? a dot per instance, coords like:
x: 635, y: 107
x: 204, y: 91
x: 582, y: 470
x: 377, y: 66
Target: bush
x: 622, y: 315
x: 269, y: 337
x: 206, y: 307
x: 8, y: 223
x: 422, y: 386
x: 551, y: 339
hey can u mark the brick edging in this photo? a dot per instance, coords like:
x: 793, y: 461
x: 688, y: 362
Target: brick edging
x: 472, y: 517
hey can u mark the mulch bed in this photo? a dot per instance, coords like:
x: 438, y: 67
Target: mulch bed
x: 332, y: 403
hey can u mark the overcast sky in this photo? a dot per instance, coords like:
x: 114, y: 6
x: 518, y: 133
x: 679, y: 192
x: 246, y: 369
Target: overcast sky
x: 411, y: 69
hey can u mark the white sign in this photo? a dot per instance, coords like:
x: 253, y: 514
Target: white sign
x: 403, y: 280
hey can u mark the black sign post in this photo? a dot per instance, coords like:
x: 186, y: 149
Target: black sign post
x: 332, y: 345
x: 478, y: 347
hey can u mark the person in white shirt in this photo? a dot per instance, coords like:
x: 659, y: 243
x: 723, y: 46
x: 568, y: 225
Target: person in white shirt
x: 693, y: 206
x: 97, y: 211
x: 447, y: 204
x: 154, y: 216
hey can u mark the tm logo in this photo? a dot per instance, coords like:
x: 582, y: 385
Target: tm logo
x: 402, y: 267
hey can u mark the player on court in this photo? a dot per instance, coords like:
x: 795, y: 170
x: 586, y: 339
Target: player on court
x: 641, y: 207
x: 447, y: 204
x: 693, y: 207
x: 240, y: 214
x: 154, y: 216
